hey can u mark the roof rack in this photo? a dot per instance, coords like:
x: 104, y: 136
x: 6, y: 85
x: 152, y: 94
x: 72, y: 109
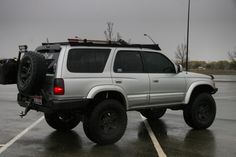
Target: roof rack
x: 103, y: 43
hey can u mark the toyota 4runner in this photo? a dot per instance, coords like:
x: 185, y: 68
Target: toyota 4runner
x: 96, y: 82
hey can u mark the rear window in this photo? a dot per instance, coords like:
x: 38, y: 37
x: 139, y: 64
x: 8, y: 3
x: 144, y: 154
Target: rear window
x: 87, y: 60
x: 51, y: 57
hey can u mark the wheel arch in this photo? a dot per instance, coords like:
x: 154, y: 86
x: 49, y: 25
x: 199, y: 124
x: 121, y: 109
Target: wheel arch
x: 198, y: 87
x: 104, y: 92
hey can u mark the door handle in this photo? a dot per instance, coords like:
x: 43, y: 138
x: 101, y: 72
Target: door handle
x: 155, y: 81
x: 118, y: 81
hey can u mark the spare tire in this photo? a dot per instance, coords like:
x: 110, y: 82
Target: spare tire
x: 32, y: 73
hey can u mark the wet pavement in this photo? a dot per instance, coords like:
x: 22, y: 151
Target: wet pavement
x: 178, y: 140
x: 42, y: 141
x: 10, y: 122
x: 174, y: 136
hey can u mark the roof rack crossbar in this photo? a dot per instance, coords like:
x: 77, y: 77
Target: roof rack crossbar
x: 104, y: 43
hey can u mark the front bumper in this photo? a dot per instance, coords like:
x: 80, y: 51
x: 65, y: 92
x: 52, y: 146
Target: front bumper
x: 52, y: 105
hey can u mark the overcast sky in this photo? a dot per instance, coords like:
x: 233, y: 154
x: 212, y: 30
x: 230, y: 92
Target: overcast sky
x: 212, y: 28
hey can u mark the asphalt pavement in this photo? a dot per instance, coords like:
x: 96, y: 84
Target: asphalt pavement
x: 31, y: 136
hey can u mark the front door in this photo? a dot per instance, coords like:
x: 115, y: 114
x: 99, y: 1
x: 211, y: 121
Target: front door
x: 128, y: 73
x: 166, y: 85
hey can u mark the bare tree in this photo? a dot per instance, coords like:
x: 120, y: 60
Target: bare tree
x: 109, y: 31
x: 232, y: 55
x: 109, y: 34
x: 180, y: 54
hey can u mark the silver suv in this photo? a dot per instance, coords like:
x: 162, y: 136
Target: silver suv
x: 97, y: 82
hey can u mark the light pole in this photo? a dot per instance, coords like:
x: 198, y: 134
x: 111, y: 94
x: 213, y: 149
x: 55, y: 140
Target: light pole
x: 187, y: 35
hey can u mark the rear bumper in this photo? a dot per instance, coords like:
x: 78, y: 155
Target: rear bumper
x: 53, y: 105
x: 69, y: 104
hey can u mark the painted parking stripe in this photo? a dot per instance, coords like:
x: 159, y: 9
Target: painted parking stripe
x: 155, y: 142
x: 4, y: 147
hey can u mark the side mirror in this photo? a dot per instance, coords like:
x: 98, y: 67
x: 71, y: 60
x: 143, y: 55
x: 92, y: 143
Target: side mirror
x: 179, y: 68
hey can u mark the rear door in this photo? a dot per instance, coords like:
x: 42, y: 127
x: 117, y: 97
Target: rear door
x: 85, y: 68
x: 128, y: 73
x: 166, y: 85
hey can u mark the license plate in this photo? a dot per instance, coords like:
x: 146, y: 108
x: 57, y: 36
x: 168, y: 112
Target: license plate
x: 38, y: 100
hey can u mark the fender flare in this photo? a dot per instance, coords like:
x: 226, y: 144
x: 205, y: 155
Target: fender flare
x: 103, y: 88
x: 193, y: 86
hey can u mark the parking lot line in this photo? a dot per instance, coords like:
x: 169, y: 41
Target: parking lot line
x: 8, y: 144
x: 1, y: 145
x: 155, y: 142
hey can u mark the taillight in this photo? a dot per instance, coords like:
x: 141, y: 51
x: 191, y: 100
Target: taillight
x: 59, y: 88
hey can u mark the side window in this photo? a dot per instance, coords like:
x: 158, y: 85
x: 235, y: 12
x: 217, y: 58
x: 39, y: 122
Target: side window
x: 51, y: 57
x: 158, y: 63
x: 87, y: 60
x: 128, y: 62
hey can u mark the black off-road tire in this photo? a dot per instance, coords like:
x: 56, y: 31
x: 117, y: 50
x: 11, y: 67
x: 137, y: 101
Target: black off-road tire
x: 153, y: 113
x: 62, y: 121
x: 86, y: 127
x: 106, y: 123
x: 32, y: 73
x: 200, y: 112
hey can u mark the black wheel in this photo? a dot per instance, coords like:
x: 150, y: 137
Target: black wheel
x: 62, y: 121
x: 106, y: 123
x: 31, y: 73
x: 153, y: 113
x: 200, y: 112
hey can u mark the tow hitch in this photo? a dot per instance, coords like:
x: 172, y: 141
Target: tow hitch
x: 27, y: 109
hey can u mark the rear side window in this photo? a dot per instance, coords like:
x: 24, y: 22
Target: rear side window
x: 87, y: 60
x: 51, y: 57
x: 158, y: 63
x: 128, y: 62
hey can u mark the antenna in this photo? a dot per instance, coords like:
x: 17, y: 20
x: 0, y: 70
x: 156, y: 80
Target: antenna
x: 146, y: 35
x: 187, y: 35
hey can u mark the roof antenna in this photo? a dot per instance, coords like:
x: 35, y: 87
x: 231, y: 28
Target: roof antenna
x: 146, y: 35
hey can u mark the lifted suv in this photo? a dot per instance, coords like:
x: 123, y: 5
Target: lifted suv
x: 97, y: 82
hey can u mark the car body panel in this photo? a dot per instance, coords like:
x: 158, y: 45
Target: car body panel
x: 139, y: 89
x: 136, y: 85
x: 78, y: 85
x: 167, y: 88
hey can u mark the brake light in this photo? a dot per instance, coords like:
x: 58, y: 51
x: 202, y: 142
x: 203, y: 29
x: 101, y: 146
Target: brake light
x: 59, y: 88
x: 58, y: 91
